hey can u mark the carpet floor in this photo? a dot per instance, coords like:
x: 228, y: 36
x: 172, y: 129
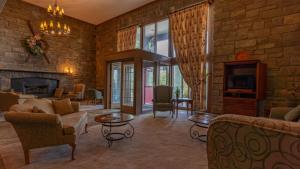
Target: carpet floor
x: 158, y: 143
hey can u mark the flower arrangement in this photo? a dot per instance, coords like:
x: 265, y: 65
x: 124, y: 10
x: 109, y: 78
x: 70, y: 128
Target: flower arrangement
x: 35, y: 45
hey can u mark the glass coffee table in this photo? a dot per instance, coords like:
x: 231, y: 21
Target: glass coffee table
x: 200, y: 120
x: 113, y: 120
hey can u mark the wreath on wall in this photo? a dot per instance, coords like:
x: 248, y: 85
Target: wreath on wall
x: 35, y: 45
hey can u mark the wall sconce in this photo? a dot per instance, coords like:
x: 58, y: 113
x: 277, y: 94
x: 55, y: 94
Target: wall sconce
x: 68, y: 70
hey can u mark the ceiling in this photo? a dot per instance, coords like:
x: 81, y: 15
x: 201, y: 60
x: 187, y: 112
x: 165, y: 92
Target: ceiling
x: 93, y: 11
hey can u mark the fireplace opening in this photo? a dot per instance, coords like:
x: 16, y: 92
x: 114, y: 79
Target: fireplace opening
x: 35, y: 89
x: 41, y: 87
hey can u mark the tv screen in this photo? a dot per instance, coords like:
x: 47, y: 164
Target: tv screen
x: 242, y: 82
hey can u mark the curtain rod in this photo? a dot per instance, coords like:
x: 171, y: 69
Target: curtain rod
x: 192, y: 5
x: 128, y: 26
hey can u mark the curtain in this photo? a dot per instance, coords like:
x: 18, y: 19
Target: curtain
x: 127, y: 38
x: 188, y: 30
x: 2, y: 3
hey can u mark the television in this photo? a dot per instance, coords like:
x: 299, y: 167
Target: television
x: 241, y: 82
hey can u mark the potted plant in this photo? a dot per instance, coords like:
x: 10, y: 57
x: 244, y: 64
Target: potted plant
x: 177, y: 92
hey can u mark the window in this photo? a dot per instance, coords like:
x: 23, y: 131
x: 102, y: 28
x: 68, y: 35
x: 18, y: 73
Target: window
x: 164, y: 75
x: 138, y: 38
x: 149, y: 38
x: 179, y: 83
x: 156, y: 37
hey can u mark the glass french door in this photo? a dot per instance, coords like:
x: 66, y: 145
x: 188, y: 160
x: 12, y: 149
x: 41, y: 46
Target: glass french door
x: 148, y: 81
x: 116, y: 85
x: 128, y: 88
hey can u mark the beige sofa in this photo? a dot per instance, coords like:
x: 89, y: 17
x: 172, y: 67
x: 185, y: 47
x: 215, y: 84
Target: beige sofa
x: 37, y: 130
x: 236, y: 141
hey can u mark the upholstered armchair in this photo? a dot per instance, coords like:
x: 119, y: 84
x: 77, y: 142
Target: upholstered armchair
x: 162, y: 99
x: 236, y: 141
x: 7, y: 100
x: 78, y: 92
x: 93, y: 95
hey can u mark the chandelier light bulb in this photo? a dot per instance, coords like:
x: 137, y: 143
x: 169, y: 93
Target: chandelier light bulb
x: 56, y: 24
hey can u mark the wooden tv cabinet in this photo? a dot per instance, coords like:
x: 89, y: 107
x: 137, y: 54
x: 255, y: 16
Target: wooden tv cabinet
x: 244, y: 87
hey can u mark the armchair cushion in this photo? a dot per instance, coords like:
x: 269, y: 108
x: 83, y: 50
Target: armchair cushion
x: 63, y: 107
x: 293, y: 115
x: 163, y: 105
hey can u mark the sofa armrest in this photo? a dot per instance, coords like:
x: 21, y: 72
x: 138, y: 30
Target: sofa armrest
x: 33, y: 118
x: 279, y: 112
x: 232, y: 137
x: 75, y: 106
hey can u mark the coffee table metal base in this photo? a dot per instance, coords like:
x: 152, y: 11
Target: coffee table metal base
x: 195, y: 134
x: 111, y: 136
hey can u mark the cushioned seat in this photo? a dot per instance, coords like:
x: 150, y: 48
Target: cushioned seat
x: 72, y: 122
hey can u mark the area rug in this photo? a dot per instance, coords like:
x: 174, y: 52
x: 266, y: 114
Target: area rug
x: 162, y: 142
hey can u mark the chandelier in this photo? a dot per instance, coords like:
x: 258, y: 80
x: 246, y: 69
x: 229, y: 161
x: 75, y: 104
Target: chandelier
x: 54, y: 24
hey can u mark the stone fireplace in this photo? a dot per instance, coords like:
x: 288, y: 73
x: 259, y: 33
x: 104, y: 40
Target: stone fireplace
x: 41, y: 84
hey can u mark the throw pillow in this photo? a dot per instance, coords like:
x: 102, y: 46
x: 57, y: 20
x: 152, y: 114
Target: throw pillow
x: 293, y: 115
x: 62, y: 107
x: 35, y: 109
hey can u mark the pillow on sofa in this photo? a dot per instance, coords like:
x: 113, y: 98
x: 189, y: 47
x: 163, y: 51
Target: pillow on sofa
x: 42, y: 104
x: 293, y: 115
x: 21, y: 108
x: 63, y: 107
x: 35, y: 109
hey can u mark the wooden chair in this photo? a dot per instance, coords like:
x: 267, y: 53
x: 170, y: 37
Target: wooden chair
x: 78, y: 92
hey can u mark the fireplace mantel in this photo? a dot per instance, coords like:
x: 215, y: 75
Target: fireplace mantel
x: 31, y: 71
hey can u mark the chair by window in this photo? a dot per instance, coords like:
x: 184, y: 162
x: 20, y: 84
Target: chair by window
x: 93, y: 95
x: 162, y: 99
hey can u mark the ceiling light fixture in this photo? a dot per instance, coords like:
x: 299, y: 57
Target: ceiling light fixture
x: 54, y: 24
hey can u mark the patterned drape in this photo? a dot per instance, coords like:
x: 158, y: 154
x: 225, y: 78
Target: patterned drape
x: 2, y: 3
x: 127, y: 38
x: 188, y: 29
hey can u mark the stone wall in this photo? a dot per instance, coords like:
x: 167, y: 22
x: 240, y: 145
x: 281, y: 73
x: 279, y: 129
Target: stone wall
x: 76, y: 51
x: 269, y: 30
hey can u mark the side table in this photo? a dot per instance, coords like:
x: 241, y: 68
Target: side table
x: 188, y: 102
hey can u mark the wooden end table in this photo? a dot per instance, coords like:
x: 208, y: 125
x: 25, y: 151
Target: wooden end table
x: 188, y: 102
